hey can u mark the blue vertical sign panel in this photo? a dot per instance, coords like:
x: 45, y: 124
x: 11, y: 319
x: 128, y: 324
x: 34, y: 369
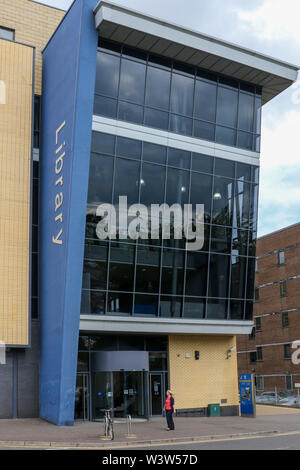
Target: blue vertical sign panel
x: 69, y: 69
x: 247, y: 398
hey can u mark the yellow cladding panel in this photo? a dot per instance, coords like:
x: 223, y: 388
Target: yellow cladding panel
x: 197, y: 383
x: 34, y: 24
x: 16, y: 67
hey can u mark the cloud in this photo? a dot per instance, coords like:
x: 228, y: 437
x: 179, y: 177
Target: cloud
x: 279, y: 199
x: 273, y: 20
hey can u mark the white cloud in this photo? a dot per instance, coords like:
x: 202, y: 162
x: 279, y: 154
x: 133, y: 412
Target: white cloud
x: 279, y: 202
x: 273, y: 20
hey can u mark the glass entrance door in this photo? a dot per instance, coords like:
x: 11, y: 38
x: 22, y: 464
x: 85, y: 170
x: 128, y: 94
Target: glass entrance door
x: 82, y: 397
x: 128, y: 394
x: 156, y: 394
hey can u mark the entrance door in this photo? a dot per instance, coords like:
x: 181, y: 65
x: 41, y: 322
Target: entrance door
x: 128, y: 394
x: 81, y: 397
x: 156, y: 395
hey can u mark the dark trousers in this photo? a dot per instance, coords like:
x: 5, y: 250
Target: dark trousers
x: 170, y: 422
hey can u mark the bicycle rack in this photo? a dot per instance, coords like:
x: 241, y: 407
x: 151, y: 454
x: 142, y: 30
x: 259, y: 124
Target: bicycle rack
x: 129, y: 427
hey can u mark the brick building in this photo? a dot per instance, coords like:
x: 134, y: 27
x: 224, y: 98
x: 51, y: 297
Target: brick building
x: 267, y: 351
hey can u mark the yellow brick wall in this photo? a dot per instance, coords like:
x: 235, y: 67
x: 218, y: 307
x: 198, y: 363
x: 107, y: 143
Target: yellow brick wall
x: 34, y: 24
x: 196, y: 384
x: 16, y: 73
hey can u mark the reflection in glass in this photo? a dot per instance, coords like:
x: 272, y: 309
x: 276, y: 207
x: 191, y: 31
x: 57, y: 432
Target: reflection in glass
x: 170, y: 307
x: 129, y: 185
x: 245, y: 140
x: 249, y: 310
x: 253, y: 206
x: 227, y: 107
x: 147, y: 270
x: 201, y: 192
x: 132, y: 82
x: 194, y: 308
x: 103, y: 143
x: 196, y: 274
x: 130, y: 112
x: 181, y: 125
x: 154, y: 153
x: 182, y: 95
x: 94, y: 274
x: 238, y: 277
x: 226, y: 136
x: 156, y: 118
x: 204, y: 130
x: 221, y: 239
x: 105, y: 106
x: 145, y: 305
x: 239, y: 241
x: 158, y: 88
x: 205, y: 100
x: 203, y: 163
x: 107, y: 74
x: 250, y: 278
x: 129, y: 148
x: 101, y: 394
x: 224, y: 167
x: 219, y: 269
x: 246, y: 110
x: 216, y: 309
x: 92, y: 302
x: 222, y: 201
x: 119, y: 303
x: 121, y: 267
x: 172, y: 272
x: 100, y: 180
x: 243, y: 171
x: 236, y: 309
x: 179, y: 158
x: 241, y: 204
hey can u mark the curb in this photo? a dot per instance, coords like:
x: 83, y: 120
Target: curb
x: 112, y: 444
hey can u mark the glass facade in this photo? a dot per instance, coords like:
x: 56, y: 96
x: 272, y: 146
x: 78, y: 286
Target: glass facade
x: 159, y: 277
x: 156, y: 92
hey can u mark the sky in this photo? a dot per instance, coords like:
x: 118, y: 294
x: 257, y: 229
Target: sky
x: 270, y: 27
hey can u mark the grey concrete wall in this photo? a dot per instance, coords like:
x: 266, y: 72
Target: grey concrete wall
x: 28, y: 379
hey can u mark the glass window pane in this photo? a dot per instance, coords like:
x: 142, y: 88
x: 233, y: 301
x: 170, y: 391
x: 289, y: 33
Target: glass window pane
x: 236, y: 310
x: 132, y: 83
x: 255, y: 174
x: 242, y: 204
x: 158, y: 361
x: 182, y: 95
x: 180, y: 125
x: 222, y: 201
x: 138, y: 55
x: 170, y: 307
x: 225, y: 136
x: 252, y: 243
x: 245, y: 140
x: 219, y: 276
x: 257, y: 115
x: 103, y: 143
x: 221, y: 239
x: 216, y: 309
x: 100, y: 179
x: 157, y: 119
x: 239, y: 241
x: 194, y: 308
x: 246, y: 112
x: 130, y: 112
x: 119, y: 303
x: 93, y: 302
x: 158, y: 88
x: 249, y: 311
x: 154, y: 153
x: 201, y: 193
x: 227, y: 107
x: 121, y: 267
x: 253, y: 206
x: 178, y: 182
x: 179, y: 158
x: 152, y: 184
x: 238, y: 277
x: 103, y: 343
x: 224, y: 167
x: 147, y: 270
x: 203, y: 163
x: 250, y: 278
x: 107, y: 74
x: 129, y: 148
x: 243, y: 171
x: 128, y: 186
x: 94, y: 274
x: 257, y: 143
x: 83, y: 362
x: 204, y: 130
x: 196, y: 274
x: 131, y: 342
x: 146, y: 305
x: 105, y: 106
x: 172, y: 272
x: 205, y: 100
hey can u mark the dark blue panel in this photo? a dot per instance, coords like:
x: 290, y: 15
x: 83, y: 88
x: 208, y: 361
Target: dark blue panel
x: 69, y: 68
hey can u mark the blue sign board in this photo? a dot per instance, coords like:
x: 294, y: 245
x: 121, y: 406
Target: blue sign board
x: 247, y: 397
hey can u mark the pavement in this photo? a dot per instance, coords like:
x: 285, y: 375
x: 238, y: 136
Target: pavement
x: 30, y: 433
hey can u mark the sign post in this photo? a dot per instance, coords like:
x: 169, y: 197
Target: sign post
x: 247, y: 395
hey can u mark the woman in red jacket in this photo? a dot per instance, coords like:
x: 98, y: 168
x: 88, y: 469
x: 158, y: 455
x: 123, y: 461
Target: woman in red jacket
x: 169, y: 408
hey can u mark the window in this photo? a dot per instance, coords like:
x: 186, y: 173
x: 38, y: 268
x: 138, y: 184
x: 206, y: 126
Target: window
x: 258, y: 323
x: 256, y: 294
x: 281, y: 260
x: 37, y: 120
x: 6, y: 33
x: 283, y: 289
x: 252, y: 357
x: 287, y: 351
x: 288, y: 383
x: 259, y: 353
x: 260, y: 383
x: 252, y: 334
x: 256, y: 266
x: 285, y: 319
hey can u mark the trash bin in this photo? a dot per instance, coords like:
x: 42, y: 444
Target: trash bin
x: 214, y: 409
